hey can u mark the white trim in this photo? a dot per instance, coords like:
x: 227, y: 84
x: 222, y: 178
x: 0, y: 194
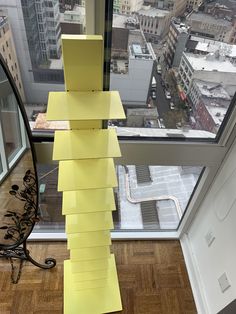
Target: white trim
x: 2, y: 154
x: 16, y: 157
x: 115, y: 235
x: 90, y: 17
x: 194, y: 276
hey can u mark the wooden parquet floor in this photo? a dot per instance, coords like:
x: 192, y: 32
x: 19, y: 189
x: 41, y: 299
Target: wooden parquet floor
x: 152, y: 276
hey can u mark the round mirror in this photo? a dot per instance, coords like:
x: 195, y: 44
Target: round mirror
x: 18, y: 178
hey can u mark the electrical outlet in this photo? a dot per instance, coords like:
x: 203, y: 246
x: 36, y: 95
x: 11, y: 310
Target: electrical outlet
x: 209, y: 237
x: 224, y: 282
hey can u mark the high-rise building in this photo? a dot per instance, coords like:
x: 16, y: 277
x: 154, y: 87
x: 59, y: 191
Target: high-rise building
x: 42, y: 24
x: 129, y: 6
x: 193, y: 4
x: 36, y: 33
x: 8, y: 52
x: 176, y: 6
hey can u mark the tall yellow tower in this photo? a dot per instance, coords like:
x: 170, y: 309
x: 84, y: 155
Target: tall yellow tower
x: 87, y: 176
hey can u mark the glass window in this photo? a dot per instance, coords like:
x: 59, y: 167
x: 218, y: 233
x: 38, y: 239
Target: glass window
x: 153, y: 197
x: 1, y: 168
x: 155, y: 78
x: 148, y: 197
x: 10, y: 126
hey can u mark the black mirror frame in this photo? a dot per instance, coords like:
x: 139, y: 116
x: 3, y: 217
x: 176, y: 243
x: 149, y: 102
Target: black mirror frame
x: 19, y: 249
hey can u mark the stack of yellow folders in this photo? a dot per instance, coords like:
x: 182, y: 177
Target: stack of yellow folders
x: 87, y: 176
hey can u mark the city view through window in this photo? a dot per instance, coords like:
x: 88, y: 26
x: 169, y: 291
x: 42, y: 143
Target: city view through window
x: 173, y: 62
x: 174, y: 65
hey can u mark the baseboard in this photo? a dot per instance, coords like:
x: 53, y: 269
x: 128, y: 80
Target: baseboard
x: 194, y: 276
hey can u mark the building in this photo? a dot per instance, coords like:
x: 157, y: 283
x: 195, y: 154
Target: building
x: 177, y: 7
x: 232, y: 39
x: 205, y: 67
x: 42, y: 24
x: 8, y: 53
x: 129, y: 6
x: 154, y: 22
x: 35, y: 70
x: 205, y: 25
x: 221, y: 9
x: 132, y: 61
x: 69, y: 4
x: 73, y: 22
x: 210, y: 102
x: 204, y: 46
x: 176, y: 41
x: 116, y: 6
x: 142, y: 117
x: 193, y: 4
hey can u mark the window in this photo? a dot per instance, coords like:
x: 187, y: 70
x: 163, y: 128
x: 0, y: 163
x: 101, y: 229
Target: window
x: 155, y: 134
x: 136, y: 88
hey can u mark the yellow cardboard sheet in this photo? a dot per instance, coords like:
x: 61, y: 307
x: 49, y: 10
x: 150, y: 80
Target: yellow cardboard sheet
x: 87, y: 201
x: 95, y: 300
x: 85, y: 144
x: 89, y: 222
x: 86, y: 174
x: 88, y: 239
x: 84, y: 106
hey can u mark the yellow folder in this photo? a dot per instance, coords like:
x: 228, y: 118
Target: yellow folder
x: 89, y: 222
x: 86, y: 174
x: 87, y: 201
x: 85, y: 144
x: 88, y: 239
x: 75, y: 106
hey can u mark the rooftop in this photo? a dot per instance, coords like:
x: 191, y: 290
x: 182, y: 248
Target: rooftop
x: 217, y: 113
x: 119, y: 20
x: 209, y: 63
x: 152, y: 12
x: 209, y: 19
x: 152, y: 132
x: 74, y: 16
x: 142, y: 112
x: 208, y: 45
x: 123, y: 21
x: 181, y: 27
x: 56, y: 64
x: 212, y: 90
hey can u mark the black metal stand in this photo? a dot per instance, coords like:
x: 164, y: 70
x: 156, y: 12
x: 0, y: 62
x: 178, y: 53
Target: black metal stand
x: 22, y: 253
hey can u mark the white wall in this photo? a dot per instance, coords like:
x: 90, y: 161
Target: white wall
x: 134, y: 85
x: 218, y: 214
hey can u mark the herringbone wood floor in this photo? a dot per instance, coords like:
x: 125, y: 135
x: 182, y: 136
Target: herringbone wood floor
x: 152, y: 276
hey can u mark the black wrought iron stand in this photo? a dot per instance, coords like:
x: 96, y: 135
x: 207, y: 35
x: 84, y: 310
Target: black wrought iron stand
x: 23, y: 254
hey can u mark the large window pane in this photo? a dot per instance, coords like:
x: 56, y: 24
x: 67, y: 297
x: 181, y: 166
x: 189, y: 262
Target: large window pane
x: 10, y: 120
x: 174, y: 68
x: 30, y: 43
x: 50, y: 201
x: 153, y: 197
x: 148, y: 197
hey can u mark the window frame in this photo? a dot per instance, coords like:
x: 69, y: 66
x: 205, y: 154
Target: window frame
x: 156, y: 151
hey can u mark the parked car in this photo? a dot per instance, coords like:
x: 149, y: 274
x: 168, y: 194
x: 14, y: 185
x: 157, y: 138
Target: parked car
x: 153, y: 95
x: 159, y: 69
x: 168, y: 95
x: 172, y: 106
x: 161, y: 123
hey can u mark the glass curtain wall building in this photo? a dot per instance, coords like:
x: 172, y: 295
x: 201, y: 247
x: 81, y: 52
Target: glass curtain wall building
x: 177, y: 89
